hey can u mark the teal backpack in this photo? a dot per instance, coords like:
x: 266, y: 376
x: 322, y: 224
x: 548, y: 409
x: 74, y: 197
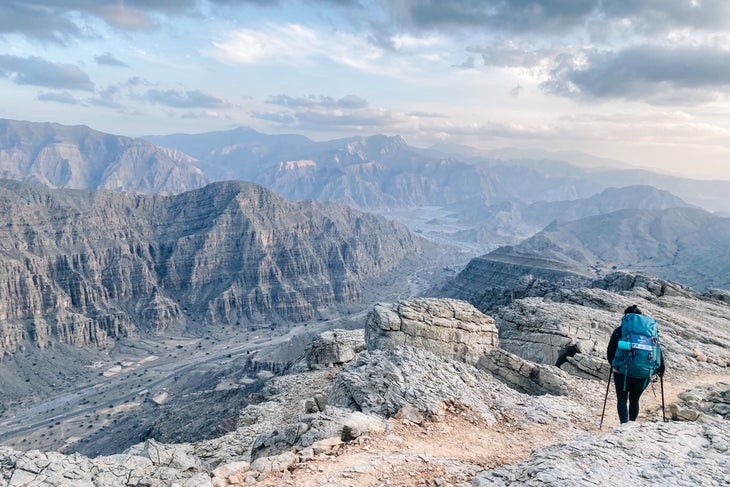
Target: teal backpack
x: 639, y: 354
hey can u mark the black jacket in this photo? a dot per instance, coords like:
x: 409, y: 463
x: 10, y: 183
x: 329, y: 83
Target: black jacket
x: 613, y: 346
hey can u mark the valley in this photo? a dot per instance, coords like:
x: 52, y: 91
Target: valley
x: 119, y: 395
x: 146, y: 374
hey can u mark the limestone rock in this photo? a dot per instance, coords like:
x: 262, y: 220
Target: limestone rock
x: 525, y: 376
x: 55, y: 469
x: 706, y: 402
x: 334, y: 347
x: 449, y: 328
x: 276, y: 463
x: 410, y: 414
x: 548, y: 332
x: 383, y: 382
x: 327, y: 446
x: 665, y: 454
x: 359, y: 424
x: 571, y: 327
x: 178, y: 457
x: 277, y: 441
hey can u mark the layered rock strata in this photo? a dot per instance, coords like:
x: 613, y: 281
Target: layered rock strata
x: 84, y: 267
x: 449, y: 328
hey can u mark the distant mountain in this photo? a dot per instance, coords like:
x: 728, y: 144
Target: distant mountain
x: 574, y: 159
x: 373, y: 173
x: 60, y: 156
x: 82, y: 267
x: 685, y: 245
x: 708, y: 194
x: 511, y: 222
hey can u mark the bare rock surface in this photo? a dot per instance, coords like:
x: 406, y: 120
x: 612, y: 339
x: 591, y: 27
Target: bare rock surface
x: 570, y: 327
x: 634, y: 454
x: 526, y: 376
x: 449, y: 328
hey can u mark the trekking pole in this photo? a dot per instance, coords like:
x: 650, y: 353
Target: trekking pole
x: 661, y: 386
x: 605, y: 399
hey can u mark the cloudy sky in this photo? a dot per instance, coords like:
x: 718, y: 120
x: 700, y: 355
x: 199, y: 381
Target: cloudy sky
x: 642, y: 81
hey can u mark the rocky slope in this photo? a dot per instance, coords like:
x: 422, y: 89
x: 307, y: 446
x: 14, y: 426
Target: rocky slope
x: 684, y: 245
x: 60, y: 156
x: 420, y: 414
x: 82, y: 268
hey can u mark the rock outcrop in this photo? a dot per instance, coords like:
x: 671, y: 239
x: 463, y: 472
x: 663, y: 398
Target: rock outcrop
x: 569, y: 326
x: 334, y: 347
x: 566, y: 335
x: 706, y: 404
x: 526, y: 376
x: 449, y: 328
x: 501, y: 276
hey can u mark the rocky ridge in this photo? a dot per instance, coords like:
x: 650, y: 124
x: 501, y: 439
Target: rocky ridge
x: 61, y: 156
x: 685, y: 245
x: 508, y: 223
x: 83, y: 268
x: 316, y: 425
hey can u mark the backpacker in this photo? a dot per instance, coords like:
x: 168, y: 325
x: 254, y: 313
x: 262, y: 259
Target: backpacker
x: 639, y: 353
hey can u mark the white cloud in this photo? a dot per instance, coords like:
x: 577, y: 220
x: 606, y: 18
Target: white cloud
x: 295, y: 44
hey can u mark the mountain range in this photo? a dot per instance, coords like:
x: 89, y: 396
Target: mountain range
x: 685, y: 245
x: 484, y: 202
x: 61, y: 156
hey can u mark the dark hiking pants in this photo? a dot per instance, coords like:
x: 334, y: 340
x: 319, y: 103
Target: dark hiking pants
x: 632, y: 393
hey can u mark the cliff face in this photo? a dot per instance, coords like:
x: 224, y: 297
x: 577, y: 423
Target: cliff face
x: 82, y: 267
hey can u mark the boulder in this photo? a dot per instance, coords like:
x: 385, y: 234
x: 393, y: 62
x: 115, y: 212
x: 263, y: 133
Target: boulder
x: 334, y: 347
x: 359, y: 424
x: 526, y: 376
x: 277, y: 441
x: 274, y: 463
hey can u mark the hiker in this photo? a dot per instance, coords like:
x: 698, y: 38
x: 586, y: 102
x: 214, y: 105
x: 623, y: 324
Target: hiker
x: 634, y: 360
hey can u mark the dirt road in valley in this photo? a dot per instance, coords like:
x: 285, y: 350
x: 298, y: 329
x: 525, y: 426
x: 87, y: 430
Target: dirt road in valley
x: 114, y: 388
